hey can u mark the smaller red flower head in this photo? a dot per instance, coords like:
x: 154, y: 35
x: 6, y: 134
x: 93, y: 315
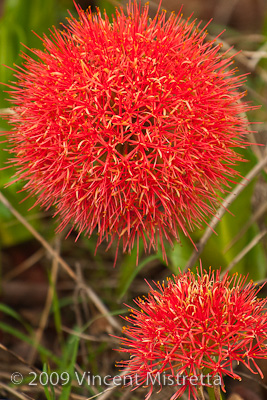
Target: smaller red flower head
x: 197, y: 324
x: 128, y: 126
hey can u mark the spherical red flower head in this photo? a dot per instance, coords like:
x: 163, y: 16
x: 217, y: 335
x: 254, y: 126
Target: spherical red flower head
x: 128, y: 126
x: 197, y: 324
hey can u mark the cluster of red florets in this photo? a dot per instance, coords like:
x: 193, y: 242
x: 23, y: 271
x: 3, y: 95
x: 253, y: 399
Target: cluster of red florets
x: 195, y: 325
x: 128, y: 126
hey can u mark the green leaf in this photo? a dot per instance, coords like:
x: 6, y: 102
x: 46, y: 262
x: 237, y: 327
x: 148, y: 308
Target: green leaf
x: 180, y: 254
x: 132, y: 273
x: 48, y: 389
x: 25, y: 338
x: 68, y: 363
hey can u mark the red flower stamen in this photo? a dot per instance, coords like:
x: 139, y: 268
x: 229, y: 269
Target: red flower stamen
x: 195, y: 325
x: 129, y: 126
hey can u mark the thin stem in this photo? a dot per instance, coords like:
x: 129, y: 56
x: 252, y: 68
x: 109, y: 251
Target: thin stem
x: 38, y: 237
x: 200, y: 393
x: 217, y: 217
x: 217, y: 392
x: 214, y: 392
x: 211, y: 393
x: 245, y: 250
x: 93, y: 296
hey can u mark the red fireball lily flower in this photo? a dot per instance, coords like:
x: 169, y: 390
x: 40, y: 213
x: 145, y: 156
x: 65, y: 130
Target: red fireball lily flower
x: 128, y: 126
x: 197, y: 324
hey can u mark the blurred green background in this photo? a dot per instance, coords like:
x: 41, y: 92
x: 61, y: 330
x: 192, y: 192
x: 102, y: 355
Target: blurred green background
x: 20, y: 18
x: 21, y: 309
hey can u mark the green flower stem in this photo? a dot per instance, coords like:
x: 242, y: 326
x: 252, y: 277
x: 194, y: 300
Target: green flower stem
x: 214, y: 393
x: 217, y: 392
x: 200, y: 393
